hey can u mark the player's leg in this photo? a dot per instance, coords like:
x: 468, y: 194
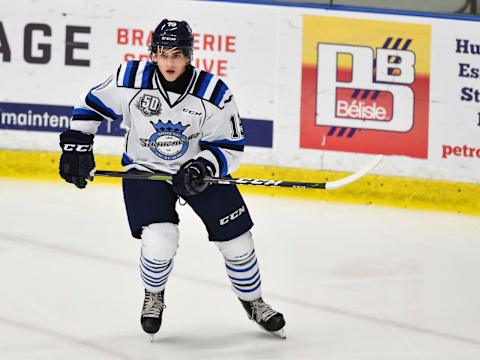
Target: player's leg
x: 228, y: 222
x: 244, y: 273
x: 152, y: 218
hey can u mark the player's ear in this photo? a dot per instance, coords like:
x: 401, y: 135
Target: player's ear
x: 152, y: 57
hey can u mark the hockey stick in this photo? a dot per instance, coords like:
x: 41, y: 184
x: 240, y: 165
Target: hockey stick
x: 330, y: 185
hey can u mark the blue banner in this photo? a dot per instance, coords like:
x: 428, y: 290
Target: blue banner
x: 55, y: 118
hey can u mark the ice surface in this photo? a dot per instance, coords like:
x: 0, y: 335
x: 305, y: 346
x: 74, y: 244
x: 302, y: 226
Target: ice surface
x: 354, y: 282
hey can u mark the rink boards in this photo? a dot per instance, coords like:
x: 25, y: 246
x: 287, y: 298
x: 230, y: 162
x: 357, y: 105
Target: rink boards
x: 400, y: 192
x: 321, y: 91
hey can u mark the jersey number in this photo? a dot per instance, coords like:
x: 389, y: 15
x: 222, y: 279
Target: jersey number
x: 237, y: 129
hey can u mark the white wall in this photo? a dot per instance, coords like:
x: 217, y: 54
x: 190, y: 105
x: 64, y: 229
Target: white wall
x: 262, y: 51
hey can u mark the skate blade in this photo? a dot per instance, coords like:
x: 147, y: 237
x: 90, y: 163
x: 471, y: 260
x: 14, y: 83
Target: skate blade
x: 280, y: 333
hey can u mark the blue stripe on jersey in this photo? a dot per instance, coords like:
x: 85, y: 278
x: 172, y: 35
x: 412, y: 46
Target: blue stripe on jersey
x: 86, y: 114
x: 126, y: 160
x: 133, y: 74
x: 222, y: 160
x: 146, y: 75
x: 204, y: 85
x: 220, y: 95
x: 126, y: 77
x: 97, y: 104
x: 83, y: 111
x: 225, y: 144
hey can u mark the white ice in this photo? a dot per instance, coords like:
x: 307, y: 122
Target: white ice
x: 354, y: 282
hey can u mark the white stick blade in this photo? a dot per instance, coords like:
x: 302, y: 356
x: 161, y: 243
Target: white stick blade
x: 355, y: 176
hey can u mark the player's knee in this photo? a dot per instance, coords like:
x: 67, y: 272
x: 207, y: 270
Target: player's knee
x: 160, y: 241
x: 237, y: 247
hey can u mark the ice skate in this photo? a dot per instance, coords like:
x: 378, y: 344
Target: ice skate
x: 152, y: 311
x: 268, y: 319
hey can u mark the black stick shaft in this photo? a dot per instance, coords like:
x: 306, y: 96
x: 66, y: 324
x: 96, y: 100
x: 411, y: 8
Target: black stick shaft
x: 271, y: 183
x: 221, y: 181
x: 331, y: 185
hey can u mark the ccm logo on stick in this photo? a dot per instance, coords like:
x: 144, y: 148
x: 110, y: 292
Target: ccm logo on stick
x: 232, y: 216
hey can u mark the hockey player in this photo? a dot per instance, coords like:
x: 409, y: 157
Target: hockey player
x: 183, y: 121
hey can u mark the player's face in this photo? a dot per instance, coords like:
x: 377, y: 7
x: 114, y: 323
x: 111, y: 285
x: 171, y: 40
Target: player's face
x: 171, y: 62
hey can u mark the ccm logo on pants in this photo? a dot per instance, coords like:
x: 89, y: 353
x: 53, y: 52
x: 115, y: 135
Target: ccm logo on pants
x: 232, y: 216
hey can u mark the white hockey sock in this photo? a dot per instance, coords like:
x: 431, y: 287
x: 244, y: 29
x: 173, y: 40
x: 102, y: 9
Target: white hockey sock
x: 159, y: 246
x: 155, y: 274
x: 242, y: 266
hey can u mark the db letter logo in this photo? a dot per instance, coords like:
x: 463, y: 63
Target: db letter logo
x: 379, y: 99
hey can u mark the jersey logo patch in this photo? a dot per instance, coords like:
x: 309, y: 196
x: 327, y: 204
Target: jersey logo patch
x: 168, y: 142
x: 149, y: 105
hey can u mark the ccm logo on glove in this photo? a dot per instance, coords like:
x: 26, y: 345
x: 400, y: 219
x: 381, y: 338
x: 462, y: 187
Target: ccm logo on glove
x: 77, y: 161
x: 77, y: 147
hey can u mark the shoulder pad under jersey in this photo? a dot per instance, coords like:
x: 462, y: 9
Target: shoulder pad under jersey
x: 211, y: 88
x: 136, y: 74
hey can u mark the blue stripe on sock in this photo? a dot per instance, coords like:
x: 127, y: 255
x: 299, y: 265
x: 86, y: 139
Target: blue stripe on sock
x: 247, y: 291
x: 156, y: 271
x: 244, y: 270
x: 245, y: 279
x: 153, y: 285
x: 243, y: 286
x: 241, y: 262
x: 234, y: 260
x: 153, y: 279
x: 155, y: 263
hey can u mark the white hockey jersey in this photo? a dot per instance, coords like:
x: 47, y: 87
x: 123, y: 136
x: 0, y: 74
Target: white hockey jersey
x: 162, y: 133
